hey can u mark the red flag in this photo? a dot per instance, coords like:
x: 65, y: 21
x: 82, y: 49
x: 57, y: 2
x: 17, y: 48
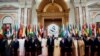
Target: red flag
x: 20, y: 32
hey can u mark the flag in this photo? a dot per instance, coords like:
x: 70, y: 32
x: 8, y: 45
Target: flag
x: 90, y: 31
x: 66, y: 32
x: 23, y: 33
x: 20, y: 31
x: 1, y: 33
x: 61, y: 32
x: 93, y: 29
x: 38, y: 29
x: 28, y: 30
x: 15, y: 29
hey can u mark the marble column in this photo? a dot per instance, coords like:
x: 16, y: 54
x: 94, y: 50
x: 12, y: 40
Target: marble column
x: 81, y: 15
x: 29, y: 15
x: 19, y: 17
x: 77, y: 18
x: 84, y: 14
x: 87, y: 15
x: 22, y: 16
x: 25, y: 17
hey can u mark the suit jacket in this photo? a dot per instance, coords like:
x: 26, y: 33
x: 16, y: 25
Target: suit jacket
x: 15, y: 45
x: 50, y: 44
x: 9, y: 48
x: 2, y: 45
x: 68, y: 44
x: 33, y: 46
x: 37, y: 44
x: 62, y: 45
x: 26, y: 45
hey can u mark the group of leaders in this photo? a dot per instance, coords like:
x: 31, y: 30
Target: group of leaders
x: 50, y: 46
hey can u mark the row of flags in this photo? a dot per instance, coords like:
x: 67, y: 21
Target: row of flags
x: 88, y: 30
x: 64, y: 31
x: 8, y: 30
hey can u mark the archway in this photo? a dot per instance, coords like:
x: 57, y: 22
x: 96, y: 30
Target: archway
x: 7, y: 19
x: 52, y: 12
x: 7, y: 23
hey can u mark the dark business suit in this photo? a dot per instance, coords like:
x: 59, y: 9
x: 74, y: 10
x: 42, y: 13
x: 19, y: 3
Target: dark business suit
x: 68, y: 46
x: 2, y: 47
x: 96, y: 46
x: 92, y: 45
x: 33, y: 48
x: 87, y: 47
x: 62, y: 46
x: 37, y: 47
x: 9, y: 48
x: 98, y: 50
x: 15, y: 47
x: 50, y: 45
x: 27, y: 47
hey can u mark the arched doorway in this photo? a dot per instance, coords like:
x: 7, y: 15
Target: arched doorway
x: 7, y: 20
x: 7, y: 23
x: 50, y: 12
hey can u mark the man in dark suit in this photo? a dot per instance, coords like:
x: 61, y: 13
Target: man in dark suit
x: 37, y: 47
x: 33, y: 49
x: 2, y: 46
x: 68, y: 46
x: 15, y: 47
x: 92, y: 45
x: 98, y: 51
x: 87, y: 45
x: 50, y: 45
x: 26, y: 45
x: 9, y: 47
x: 62, y: 46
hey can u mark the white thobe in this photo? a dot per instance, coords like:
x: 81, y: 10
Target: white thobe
x: 21, y: 47
x: 44, y: 47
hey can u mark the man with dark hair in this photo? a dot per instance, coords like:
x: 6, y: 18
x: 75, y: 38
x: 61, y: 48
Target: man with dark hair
x: 62, y: 46
x: 98, y: 50
x: 33, y: 49
x: 92, y: 44
x: 37, y: 47
x: 87, y: 45
x: 2, y: 46
x: 15, y: 46
x: 68, y: 45
x: 9, y: 47
x: 50, y: 45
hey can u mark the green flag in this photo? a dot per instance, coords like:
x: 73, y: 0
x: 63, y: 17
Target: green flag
x: 61, y: 32
x: 90, y: 31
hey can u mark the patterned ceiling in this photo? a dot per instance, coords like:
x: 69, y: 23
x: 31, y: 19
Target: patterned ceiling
x: 8, y: 0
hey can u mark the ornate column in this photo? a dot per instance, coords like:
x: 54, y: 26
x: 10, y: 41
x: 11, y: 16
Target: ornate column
x: 22, y: 16
x: 77, y: 17
x: 87, y: 15
x: 19, y: 16
x: 29, y: 15
x: 84, y: 14
x: 80, y: 15
x: 25, y: 17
